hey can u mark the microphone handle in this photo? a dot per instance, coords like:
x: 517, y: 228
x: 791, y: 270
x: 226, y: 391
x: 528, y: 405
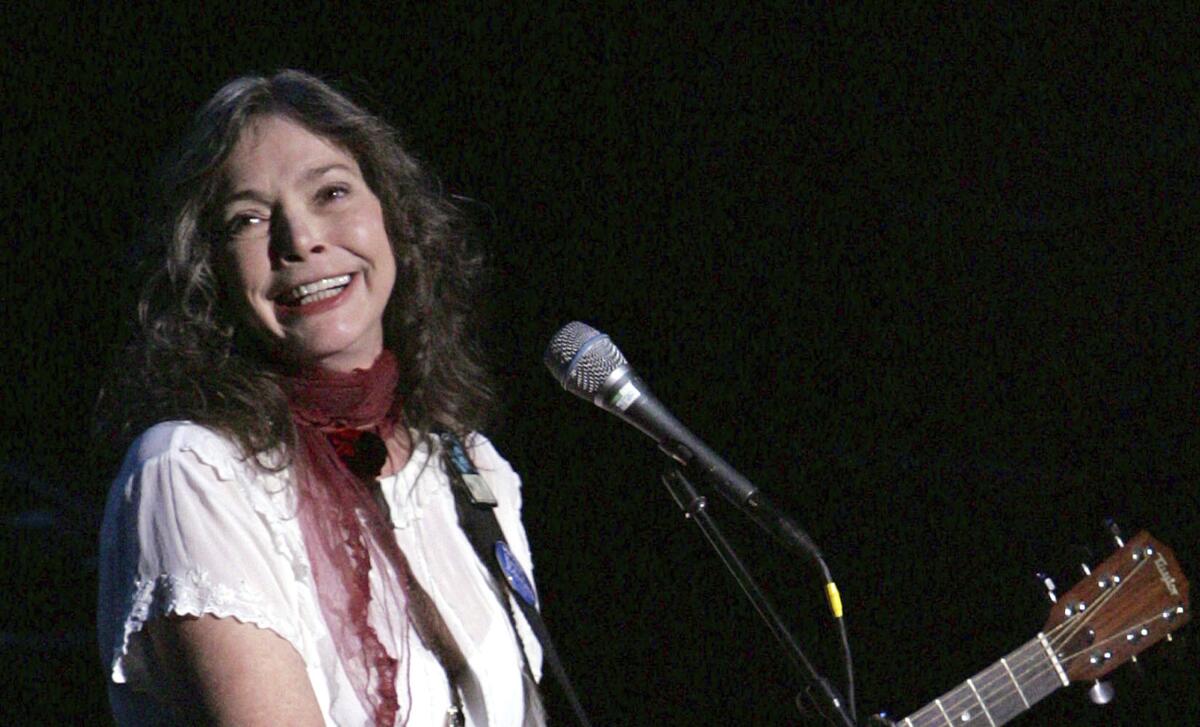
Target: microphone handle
x: 626, y: 395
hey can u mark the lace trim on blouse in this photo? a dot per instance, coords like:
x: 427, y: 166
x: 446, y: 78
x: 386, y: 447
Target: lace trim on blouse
x: 194, y: 594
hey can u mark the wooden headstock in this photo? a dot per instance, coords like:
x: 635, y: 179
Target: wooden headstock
x: 1129, y: 602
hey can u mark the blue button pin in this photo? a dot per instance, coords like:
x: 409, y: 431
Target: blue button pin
x: 515, y: 574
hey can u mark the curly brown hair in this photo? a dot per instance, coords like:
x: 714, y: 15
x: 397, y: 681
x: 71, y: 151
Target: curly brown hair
x: 188, y: 359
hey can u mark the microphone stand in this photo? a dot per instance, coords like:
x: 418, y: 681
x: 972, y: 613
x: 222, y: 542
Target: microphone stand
x: 695, y: 508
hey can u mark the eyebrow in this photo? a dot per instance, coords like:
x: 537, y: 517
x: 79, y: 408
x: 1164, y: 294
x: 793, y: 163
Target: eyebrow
x: 309, y: 175
x: 319, y: 171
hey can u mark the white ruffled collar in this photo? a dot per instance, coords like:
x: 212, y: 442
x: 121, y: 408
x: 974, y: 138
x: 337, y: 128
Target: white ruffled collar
x: 411, y: 489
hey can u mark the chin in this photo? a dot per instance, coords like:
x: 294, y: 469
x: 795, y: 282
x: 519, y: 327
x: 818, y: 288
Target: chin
x: 328, y: 341
x: 334, y: 355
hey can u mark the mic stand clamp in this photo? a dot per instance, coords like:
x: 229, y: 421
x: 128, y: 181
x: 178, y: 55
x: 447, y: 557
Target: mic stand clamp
x: 705, y: 464
x: 695, y: 508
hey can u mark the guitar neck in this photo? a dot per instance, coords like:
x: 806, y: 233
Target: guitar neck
x: 997, y: 694
x: 1137, y: 596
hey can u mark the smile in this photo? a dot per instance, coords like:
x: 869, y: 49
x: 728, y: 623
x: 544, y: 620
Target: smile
x: 315, y: 291
x: 315, y: 297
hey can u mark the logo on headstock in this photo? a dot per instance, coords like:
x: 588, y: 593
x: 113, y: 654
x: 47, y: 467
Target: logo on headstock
x: 1163, y: 573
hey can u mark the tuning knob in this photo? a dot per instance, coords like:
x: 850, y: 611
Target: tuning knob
x: 1115, y: 531
x: 1101, y: 693
x: 1048, y: 582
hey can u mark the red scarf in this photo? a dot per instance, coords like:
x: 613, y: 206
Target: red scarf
x: 345, y: 531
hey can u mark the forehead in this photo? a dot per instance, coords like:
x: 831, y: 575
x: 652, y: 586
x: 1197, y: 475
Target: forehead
x: 275, y: 149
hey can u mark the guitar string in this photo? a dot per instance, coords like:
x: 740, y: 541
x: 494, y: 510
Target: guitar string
x: 994, y: 691
x: 1023, y: 666
x: 959, y: 700
x: 1056, y: 637
x: 1103, y: 598
x: 1080, y: 653
x: 1073, y: 625
x: 951, y: 703
x: 985, y: 685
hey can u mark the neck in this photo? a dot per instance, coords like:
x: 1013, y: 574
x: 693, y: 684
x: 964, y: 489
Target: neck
x: 342, y: 362
x: 330, y: 400
x: 997, y: 694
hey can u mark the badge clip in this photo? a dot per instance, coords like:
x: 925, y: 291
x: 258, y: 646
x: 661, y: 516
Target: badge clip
x: 477, y: 488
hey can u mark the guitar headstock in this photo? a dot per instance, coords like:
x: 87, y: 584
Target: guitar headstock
x: 1132, y: 600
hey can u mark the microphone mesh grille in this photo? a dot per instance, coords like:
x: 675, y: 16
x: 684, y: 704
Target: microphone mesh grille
x: 581, y: 358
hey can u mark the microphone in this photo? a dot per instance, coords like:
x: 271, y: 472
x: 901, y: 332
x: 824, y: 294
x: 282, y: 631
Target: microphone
x: 588, y: 364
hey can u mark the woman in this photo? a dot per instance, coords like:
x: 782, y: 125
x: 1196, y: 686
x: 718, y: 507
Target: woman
x: 281, y: 544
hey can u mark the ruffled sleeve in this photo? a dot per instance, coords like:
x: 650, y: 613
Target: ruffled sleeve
x: 181, y: 535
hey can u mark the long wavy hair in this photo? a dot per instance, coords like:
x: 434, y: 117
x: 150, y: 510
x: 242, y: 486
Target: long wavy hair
x: 188, y: 357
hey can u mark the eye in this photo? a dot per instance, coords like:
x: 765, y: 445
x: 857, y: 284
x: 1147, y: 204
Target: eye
x: 332, y: 192
x: 241, y: 225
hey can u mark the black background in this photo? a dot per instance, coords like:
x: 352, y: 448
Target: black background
x: 925, y: 277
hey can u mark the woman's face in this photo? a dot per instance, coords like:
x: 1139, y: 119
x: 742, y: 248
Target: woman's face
x: 307, y: 256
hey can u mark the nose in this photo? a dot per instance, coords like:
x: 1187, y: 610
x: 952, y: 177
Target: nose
x: 295, y: 236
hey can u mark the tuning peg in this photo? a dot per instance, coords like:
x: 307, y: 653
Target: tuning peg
x: 1048, y: 582
x: 1115, y: 531
x: 1101, y: 693
x: 1086, y: 570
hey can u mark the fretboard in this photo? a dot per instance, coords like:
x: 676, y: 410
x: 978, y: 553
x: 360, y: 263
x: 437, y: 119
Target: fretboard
x: 997, y: 694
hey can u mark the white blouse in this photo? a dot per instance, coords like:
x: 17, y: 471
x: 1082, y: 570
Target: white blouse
x: 193, y: 528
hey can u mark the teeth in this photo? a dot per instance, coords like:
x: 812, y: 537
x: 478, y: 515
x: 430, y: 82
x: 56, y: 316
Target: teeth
x: 322, y: 295
x: 308, y: 289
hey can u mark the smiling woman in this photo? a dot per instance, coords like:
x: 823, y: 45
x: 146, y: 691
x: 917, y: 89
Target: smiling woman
x: 282, y: 543
x: 310, y: 266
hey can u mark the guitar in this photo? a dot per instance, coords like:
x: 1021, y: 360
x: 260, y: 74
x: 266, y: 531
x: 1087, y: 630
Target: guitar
x: 1132, y: 600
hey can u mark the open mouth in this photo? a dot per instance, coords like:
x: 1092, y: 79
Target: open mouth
x: 315, y: 297
x: 314, y: 292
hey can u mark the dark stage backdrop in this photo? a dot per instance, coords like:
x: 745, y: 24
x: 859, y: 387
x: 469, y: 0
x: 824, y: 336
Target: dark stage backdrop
x: 926, y: 277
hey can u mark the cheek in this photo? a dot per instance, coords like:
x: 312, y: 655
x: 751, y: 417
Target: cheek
x: 371, y: 242
x: 386, y: 265
x: 245, y: 271
x: 243, y: 281
x: 386, y: 273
